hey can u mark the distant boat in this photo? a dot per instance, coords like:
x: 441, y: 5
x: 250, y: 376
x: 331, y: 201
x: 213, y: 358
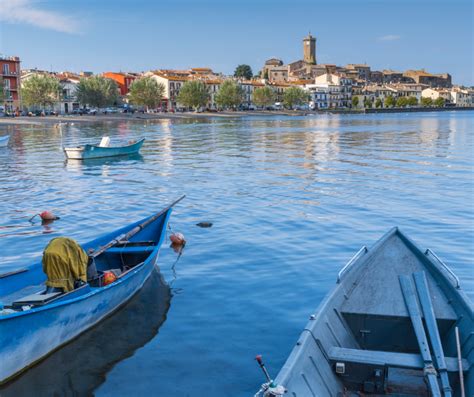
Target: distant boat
x: 102, y: 150
x: 34, y: 323
x: 369, y: 336
x: 4, y: 140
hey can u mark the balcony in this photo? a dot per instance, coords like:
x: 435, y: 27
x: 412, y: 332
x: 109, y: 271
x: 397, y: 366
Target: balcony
x: 9, y: 73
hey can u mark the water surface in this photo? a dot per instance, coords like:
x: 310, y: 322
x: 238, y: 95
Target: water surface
x: 290, y: 199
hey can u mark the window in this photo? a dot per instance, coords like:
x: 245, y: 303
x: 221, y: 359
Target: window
x: 6, y: 68
x: 6, y: 83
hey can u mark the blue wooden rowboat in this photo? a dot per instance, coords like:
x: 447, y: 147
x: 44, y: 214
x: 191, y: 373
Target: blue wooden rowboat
x: 97, y: 151
x: 4, y: 140
x: 370, y: 335
x: 29, y: 332
x: 81, y: 366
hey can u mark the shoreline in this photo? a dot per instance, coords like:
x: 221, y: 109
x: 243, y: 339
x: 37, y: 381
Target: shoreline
x: 54, y: 120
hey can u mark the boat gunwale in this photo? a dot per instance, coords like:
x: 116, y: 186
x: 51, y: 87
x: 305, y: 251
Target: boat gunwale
x: 286, y: 371
x: 132, y: 272
x: 87, y: 146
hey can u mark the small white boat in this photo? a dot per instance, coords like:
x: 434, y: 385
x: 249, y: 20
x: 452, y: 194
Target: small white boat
x: 4, y: 140
x: 102, y: 150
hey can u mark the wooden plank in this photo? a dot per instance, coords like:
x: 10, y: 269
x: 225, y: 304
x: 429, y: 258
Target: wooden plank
x: 412, y: 305
x: 433, y: 332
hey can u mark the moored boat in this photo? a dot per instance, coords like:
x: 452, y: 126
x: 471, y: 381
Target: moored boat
x: 34, y: 323
x: 4, y: 140
x: 100, y: 151
x: 370, y: 335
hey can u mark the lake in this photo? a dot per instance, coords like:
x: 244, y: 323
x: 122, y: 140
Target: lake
x: 291, y: 200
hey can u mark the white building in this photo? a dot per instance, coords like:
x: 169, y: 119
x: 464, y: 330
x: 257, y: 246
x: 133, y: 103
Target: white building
x: 461, y: 97
x: 172, y: 81
x: 331, y: 91
x: 435, y: 93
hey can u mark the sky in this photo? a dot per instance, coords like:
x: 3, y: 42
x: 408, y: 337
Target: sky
x: 141, y: 35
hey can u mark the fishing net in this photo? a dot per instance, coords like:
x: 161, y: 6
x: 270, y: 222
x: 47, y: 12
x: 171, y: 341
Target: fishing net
x: 64, y: 262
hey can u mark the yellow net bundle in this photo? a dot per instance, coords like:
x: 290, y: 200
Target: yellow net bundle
x: 64, y: 262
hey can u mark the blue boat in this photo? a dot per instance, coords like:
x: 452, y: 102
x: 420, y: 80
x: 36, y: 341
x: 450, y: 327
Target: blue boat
x: 4, y: 140
x: 100, y: 151
x: 33, y: 323
x: 369, y: 336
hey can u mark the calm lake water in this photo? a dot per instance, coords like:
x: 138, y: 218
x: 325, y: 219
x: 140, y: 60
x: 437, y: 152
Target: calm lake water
x: 291, y: 200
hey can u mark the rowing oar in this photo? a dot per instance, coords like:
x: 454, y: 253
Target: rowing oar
x: 135, y: 230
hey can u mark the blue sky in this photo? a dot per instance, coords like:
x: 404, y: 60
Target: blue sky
x: 139, y: 35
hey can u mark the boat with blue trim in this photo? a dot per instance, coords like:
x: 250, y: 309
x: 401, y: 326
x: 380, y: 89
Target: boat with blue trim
x: 4, y: 140
x: 35, y: 321
x: 102, y: 150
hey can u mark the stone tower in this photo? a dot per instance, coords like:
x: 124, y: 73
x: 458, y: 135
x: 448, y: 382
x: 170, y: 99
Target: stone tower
x: 309, y: 49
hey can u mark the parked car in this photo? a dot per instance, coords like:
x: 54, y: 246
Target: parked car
x: 109, y: 110
x: 92, y: 111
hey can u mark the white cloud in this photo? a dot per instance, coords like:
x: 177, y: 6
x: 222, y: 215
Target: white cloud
x: 24, y: 11
x: 389, y: 37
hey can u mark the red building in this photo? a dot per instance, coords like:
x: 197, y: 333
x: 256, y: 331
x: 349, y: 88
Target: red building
x: 123, y: 80
x: 10, y: 74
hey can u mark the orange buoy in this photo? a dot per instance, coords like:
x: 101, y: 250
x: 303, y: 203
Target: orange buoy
x: 177, y: 239
x: 48, y: 216
x: 108, y: 278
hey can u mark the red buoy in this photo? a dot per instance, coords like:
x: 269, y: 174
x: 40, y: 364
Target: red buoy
x: 177, y: 239
x: 48, y: 216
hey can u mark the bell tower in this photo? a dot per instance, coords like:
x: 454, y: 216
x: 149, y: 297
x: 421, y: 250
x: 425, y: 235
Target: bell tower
x: 309, y: 49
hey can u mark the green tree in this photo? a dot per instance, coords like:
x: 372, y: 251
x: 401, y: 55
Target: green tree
x: 294, y: 96
x: 401, y: 102
x: 367, y: 103
x: 230, y: 94
x: 426, y: 102
x: 439, y: 102
x: 40, y: 90
x: 263, y: 96
x: 146, y: 92
x: 193, y: 94
x: 265, y: 74
x: 243, y: 71
x: 97, y: 91
x: 355, y: 101
x: 389, y: 102
x: 378, y: 103
x: 412, y: 101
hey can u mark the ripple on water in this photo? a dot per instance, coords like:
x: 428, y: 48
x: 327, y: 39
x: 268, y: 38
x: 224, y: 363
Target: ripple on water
x: 291, y: 200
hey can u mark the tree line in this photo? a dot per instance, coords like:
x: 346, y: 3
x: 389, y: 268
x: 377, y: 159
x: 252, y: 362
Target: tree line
x: 97, y: 91
x: 400, y: 102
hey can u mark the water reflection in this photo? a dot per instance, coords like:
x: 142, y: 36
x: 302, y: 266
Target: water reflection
x: 80, y: 367
x: 101, y: 163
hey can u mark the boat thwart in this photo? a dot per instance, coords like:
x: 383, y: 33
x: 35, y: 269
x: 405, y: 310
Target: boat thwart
x: 370, y: 335
x: 33, y: 323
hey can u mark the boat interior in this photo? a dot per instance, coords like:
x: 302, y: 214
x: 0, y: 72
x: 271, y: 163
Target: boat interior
x: 119, y: 259
x: 369, y: 339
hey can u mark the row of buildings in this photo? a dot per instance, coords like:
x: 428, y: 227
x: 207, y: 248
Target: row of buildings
x: 328, y: 86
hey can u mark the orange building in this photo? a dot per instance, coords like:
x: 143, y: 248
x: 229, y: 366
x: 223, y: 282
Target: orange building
x: 123, y: 80
x: 10, y: 78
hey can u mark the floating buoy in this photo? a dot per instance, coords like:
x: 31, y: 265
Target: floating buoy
x: 108, y: 278
x: 48, y: 216
x: 204, y: 224
x: 177, y: 239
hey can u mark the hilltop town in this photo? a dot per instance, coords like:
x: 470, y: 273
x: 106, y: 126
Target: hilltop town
x: 328, y: 86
